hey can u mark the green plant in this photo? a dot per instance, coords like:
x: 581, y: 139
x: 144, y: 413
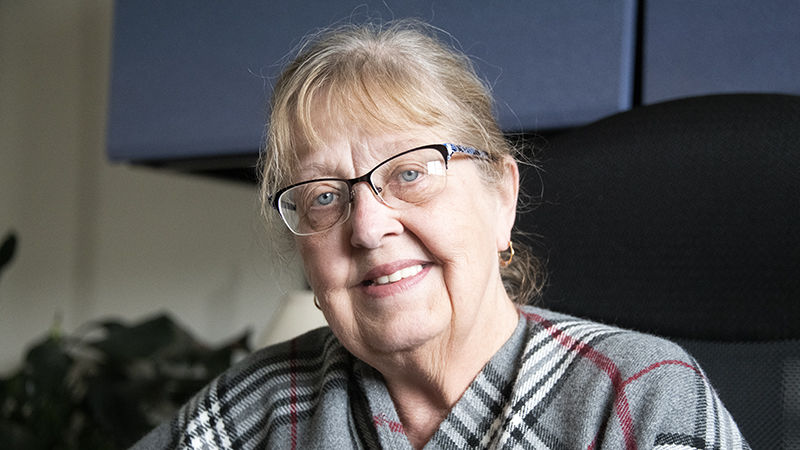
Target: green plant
x: 107, y: 384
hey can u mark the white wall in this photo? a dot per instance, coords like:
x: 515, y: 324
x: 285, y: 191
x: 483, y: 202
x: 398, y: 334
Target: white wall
x: 100, y: 240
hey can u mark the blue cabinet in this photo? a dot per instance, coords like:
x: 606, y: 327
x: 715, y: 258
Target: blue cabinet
x: 191, y: 79
x: 720, y: 46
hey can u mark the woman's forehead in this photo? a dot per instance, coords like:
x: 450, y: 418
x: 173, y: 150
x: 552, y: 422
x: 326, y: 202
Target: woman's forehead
x: 353, y: 110
x: 341, y: 153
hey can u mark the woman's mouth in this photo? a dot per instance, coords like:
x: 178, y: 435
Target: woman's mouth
x: 394, y: 277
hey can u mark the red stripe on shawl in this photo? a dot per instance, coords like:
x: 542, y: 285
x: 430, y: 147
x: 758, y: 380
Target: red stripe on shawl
x: 674, y: 362
x: 603, y: 363
x: 293, y: 392
x: 382, y: 420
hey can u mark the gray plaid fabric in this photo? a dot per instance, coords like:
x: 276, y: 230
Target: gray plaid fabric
x: 559, y: 382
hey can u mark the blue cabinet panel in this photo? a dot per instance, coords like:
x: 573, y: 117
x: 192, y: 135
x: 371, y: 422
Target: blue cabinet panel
x: 192, y: 78
x: 720, y: 46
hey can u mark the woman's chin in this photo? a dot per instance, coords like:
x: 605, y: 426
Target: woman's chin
x: 402, y: 334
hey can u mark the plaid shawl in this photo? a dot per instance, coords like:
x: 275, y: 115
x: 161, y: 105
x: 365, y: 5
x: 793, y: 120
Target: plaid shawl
x: 559, y: 382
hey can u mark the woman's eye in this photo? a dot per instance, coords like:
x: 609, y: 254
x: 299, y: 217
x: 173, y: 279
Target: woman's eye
x: 325, y: 199
x: 409, y: 175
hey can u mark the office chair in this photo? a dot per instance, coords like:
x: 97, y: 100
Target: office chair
x: 682, y: 219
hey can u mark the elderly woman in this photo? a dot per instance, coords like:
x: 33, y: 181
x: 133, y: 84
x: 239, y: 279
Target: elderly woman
x: 386, y: 165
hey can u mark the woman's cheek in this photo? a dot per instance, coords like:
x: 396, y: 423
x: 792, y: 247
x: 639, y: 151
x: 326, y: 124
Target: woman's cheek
x: 323, y: 263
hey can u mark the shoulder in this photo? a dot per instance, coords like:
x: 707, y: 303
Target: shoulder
x: 605, y: 345
x: 627, y: 360
x: 652, y: 391
x: 269, y: 375
x: 258, y: 396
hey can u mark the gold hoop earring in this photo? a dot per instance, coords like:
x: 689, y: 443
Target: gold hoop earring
x: 506, y: 262
x: 316, y: 303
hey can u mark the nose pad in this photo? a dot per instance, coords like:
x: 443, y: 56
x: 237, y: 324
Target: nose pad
x: 371, y: 220
x: 376, y: 191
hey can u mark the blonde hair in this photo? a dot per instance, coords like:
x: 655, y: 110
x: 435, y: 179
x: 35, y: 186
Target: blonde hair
x: 387, y: 77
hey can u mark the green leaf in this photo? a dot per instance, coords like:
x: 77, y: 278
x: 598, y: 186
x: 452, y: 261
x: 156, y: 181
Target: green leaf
x: 115, y: 408
x: 47, y: 363
x: 125, y: 343
x: 216, y: 361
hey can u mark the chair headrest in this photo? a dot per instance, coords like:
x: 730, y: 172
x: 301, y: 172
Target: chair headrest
x: 680, y: 218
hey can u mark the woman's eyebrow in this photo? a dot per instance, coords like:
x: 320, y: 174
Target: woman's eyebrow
x: 312, y: 171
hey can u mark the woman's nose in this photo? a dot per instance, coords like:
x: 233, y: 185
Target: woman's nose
x: 371, y: 220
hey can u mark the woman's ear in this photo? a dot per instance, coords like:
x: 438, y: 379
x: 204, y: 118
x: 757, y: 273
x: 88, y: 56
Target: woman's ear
x: 508, y: 192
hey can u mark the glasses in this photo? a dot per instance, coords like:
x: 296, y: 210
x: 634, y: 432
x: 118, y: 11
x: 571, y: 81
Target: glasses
x: 408, y: 178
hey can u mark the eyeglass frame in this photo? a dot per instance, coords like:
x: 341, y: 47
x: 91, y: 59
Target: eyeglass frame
x: 447, y: 151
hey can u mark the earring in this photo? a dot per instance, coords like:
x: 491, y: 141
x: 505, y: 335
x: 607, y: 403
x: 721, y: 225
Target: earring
x: 316, y: 303
x: 506, y: 262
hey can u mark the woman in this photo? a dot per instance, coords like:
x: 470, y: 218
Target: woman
x: 384, y: 161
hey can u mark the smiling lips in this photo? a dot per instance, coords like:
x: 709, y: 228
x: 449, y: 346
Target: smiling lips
x: 406, y: 272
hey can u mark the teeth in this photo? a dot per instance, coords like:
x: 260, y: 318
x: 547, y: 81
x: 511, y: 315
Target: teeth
x: 399, y: 275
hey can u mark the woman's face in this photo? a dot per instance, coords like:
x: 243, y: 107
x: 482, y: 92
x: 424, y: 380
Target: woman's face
x: 442, y: 253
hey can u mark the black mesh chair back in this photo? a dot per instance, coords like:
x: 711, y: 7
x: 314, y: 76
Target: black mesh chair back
x: 682, y: 219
